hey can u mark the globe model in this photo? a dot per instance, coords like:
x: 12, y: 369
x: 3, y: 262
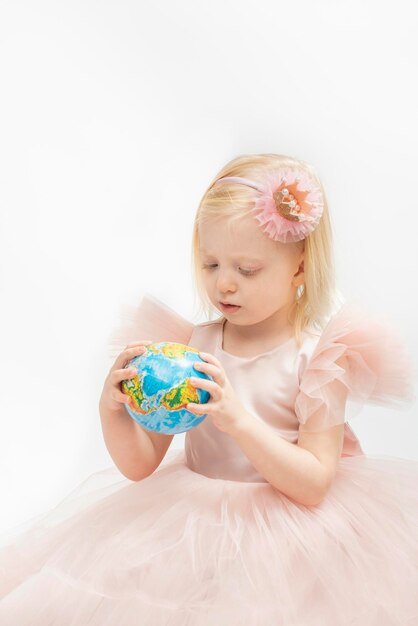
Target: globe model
x: 161, y: 389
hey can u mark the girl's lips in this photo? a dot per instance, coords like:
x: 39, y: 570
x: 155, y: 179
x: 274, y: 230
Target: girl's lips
x: 229, y: 307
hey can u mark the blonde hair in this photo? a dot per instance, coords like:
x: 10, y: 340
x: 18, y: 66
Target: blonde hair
x: 315, y: 298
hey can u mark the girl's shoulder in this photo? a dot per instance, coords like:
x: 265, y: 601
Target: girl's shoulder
x: 205, y: 335
x: 355, y: 334
x: 359, y: 356
x: 152, y: 319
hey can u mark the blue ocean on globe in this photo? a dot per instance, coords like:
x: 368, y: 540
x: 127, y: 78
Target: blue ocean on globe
x: 161, y: 389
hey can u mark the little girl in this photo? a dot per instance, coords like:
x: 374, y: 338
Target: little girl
x: 272, y: 515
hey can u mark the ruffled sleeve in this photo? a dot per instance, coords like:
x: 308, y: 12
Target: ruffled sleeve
x: 151, y: 319
x: 359, y: 358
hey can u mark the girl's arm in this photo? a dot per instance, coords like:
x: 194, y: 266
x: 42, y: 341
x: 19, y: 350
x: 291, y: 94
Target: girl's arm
x: 129, y: 445
x: 294, y: 470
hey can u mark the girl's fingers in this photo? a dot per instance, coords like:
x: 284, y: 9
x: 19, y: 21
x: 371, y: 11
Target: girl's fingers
x: 203, y: 383
x: 118, y: 376
x: 210, y: 386
x: 199, y: 408
x: 131, y: 351
x: 209, y: 358
x: 210, y: 370
x: 207, y: 368
x: 123, y: 374
x: 119, y: 396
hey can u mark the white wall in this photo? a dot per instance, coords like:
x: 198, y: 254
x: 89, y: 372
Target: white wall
x: 113, y: 118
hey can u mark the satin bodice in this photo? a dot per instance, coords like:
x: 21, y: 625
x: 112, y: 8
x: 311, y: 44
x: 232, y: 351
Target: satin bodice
x: 267, y: 385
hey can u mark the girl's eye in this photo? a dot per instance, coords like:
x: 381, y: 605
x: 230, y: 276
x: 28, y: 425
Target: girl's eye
x: 243, y: 271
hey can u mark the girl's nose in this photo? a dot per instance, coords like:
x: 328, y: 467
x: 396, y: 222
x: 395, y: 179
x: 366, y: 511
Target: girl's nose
x: 225, y: 282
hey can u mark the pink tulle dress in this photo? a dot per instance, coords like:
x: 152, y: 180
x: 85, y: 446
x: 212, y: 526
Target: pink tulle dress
x: 205, y: 540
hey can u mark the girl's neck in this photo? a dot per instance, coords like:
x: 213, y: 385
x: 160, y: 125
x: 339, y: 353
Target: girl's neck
x: 263, y: 335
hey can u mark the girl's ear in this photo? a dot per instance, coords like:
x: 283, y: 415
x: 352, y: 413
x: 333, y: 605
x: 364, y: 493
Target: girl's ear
x: 299, y: 276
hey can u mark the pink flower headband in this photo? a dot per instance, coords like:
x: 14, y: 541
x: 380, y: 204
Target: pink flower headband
x: 290, y: 205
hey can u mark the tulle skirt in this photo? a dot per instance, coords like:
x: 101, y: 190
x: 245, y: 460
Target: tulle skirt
x: 182, y: 549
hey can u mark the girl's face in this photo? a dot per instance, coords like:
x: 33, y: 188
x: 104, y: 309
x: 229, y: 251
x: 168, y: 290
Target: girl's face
x: 244, y: 266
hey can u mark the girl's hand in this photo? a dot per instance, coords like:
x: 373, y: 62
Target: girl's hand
x: 224, y: 406
x: 112, y: 396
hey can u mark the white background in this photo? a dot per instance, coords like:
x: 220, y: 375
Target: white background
x: 114, y: 116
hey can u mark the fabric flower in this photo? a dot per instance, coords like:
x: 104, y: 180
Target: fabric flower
x: 290, y: 204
